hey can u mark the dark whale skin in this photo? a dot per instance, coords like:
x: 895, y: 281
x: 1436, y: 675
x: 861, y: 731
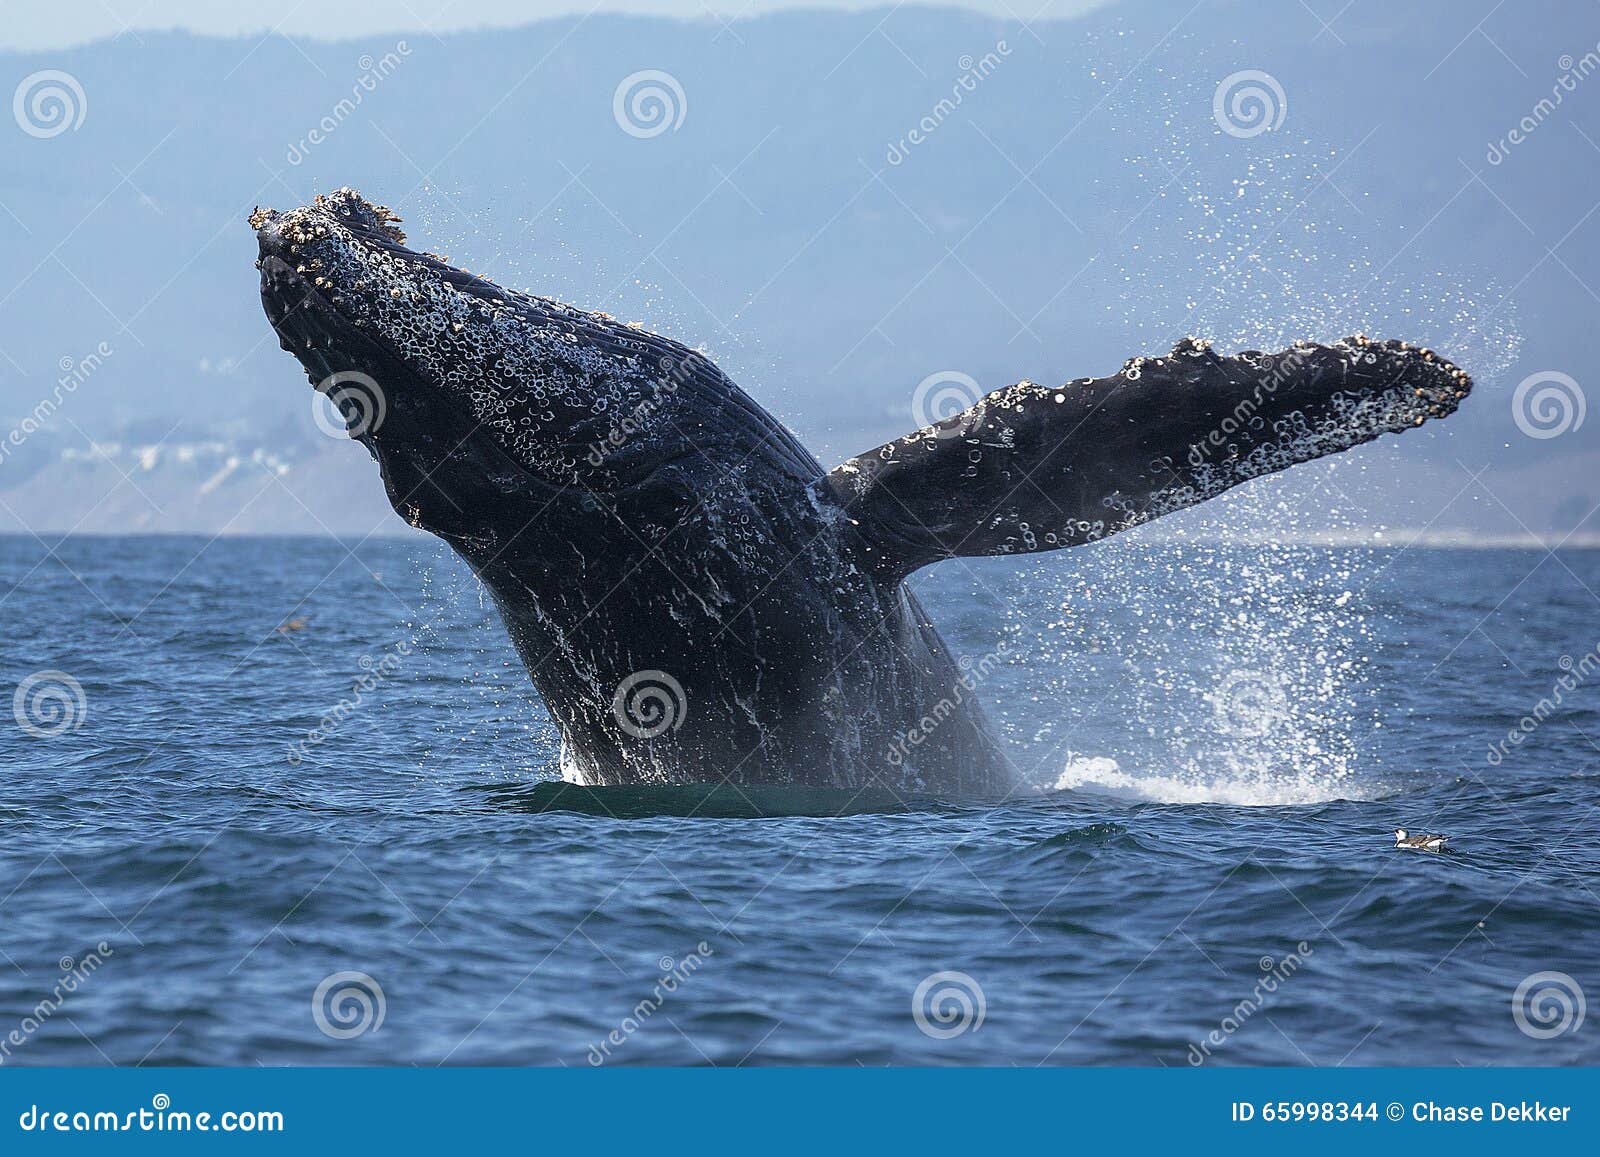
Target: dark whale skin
x: 695, y: 597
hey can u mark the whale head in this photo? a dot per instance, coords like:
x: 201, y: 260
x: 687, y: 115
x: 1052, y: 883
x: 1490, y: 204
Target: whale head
x: 477, y: 401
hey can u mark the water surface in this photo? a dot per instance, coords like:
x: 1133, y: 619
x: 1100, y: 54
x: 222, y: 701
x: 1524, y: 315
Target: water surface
x: 1221, y: 741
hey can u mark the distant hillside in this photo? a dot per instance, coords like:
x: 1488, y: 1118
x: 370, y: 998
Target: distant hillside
x: 851, y: 203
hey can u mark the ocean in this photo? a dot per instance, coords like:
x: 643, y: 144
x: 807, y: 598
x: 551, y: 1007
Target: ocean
x: 293, y: 801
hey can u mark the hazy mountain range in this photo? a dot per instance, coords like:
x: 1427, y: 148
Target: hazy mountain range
x: 837, y: 206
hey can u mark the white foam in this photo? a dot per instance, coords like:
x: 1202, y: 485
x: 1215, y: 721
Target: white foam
x: 1102, y: 774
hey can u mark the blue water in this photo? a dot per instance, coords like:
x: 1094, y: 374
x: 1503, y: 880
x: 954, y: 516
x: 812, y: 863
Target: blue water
x: 1234, y: 733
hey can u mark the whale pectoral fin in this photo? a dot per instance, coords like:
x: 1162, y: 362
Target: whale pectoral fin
x: 1030, y: 468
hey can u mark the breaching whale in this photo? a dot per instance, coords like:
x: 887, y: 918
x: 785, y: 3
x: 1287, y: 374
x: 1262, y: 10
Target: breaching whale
x: 695, y: 597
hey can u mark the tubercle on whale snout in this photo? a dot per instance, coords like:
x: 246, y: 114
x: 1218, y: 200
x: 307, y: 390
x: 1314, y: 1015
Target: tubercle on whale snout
x: 574, y: 397
x: 344, y: 203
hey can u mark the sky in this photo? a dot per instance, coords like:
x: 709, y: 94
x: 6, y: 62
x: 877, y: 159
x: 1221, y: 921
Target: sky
x: 1089, y: 199
x: 29, y: 25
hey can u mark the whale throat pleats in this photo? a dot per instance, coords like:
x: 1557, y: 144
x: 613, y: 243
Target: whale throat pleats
x: 1031, y: 468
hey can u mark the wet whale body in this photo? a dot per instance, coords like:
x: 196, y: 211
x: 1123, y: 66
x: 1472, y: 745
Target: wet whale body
x: 696, y: 598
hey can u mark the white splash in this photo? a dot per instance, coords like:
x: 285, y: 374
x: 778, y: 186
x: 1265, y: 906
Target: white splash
x: 1099, y: 773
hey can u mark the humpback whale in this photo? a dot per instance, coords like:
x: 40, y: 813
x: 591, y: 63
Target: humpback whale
x: 696, y: 598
